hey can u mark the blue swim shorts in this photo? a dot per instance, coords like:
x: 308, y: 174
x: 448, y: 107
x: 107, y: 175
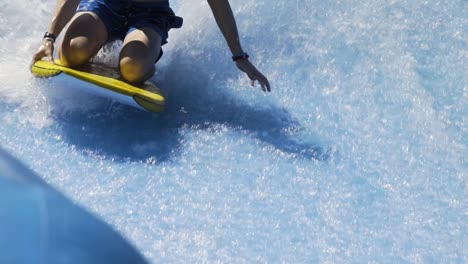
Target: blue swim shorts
x: 123, y: 16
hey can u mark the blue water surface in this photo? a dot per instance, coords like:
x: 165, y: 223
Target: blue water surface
x: 358, y: 155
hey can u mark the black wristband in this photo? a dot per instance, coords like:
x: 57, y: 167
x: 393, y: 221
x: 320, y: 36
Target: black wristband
x: 242, y: 56
x: 49, y: 36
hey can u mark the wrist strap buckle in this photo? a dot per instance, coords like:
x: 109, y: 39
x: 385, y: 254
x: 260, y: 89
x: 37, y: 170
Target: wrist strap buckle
x: 49, y: 36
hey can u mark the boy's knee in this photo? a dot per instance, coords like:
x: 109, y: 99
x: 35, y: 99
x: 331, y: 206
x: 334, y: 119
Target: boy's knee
x: 133, y: 71
x: 75, y: 52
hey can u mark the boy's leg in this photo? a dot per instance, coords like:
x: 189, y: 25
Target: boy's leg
x: 82, y: 40
x: 140, y: 50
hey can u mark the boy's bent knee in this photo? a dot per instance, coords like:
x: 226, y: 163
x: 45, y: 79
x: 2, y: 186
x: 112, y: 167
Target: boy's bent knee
x: 75, y: 52
x: 134, y: 71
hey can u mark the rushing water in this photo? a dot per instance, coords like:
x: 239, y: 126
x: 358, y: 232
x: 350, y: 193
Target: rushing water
x: 359, y: 154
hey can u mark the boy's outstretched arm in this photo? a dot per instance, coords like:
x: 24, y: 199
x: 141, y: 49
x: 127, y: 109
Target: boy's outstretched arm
x: 227, y: 24
x: 64, y: 11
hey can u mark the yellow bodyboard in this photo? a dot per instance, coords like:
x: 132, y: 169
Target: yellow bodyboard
x: 148, y: 97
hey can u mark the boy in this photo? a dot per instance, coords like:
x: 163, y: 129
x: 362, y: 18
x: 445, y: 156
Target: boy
x: 142, y: 25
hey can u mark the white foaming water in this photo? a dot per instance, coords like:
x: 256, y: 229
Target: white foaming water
x: 227, y: 174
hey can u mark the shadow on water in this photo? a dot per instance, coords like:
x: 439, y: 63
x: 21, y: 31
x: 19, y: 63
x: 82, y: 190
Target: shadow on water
x: 124, y: 133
